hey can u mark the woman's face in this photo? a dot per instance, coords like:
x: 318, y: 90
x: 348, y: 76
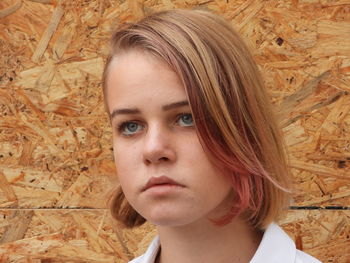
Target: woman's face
x: 161, y: 165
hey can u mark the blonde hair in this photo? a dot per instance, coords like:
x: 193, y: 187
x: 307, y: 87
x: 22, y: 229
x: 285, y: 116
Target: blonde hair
x: 230, y: 107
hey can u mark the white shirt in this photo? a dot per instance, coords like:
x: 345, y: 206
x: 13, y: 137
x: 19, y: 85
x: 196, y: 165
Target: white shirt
x: 275, y: 247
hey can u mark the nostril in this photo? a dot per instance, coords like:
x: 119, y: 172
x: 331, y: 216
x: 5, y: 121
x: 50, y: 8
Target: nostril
x: 149, y: 161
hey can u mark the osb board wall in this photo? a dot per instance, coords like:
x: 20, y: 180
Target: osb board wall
x: 55, y: 153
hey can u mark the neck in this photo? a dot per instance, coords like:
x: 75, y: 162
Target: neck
x: 205, y: 242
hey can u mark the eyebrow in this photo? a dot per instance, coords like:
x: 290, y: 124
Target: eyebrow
x: 167, y: 107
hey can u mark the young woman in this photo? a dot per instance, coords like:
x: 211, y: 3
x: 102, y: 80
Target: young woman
x: 197, y: 149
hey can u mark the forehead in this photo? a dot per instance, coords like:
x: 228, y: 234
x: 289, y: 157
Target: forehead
x: 138, y: 77
x: 135, y: 66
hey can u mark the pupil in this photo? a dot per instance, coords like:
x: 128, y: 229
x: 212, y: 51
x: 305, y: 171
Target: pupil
x: 132, y: 127
x: 187, y: 118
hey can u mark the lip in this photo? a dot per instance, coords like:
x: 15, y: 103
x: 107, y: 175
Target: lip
x: 160, y: 181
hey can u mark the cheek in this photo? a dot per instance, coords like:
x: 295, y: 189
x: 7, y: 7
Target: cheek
x: 125, y: 165
x: 195, y: 156
x: 124, y: 154
x: 207, y: 173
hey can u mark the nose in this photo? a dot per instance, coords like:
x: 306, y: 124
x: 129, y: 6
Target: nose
x: 158, y: 146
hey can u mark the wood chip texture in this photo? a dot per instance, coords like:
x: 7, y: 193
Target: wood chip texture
x: 56, y: 165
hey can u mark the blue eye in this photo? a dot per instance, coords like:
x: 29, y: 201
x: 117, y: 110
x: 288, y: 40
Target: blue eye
x: 186, y: 119
x: 129, y: 128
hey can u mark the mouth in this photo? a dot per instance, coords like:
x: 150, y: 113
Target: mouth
x: 160, y: 181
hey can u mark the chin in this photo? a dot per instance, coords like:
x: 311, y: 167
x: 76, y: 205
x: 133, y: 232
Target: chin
x: 169, y: 219
x: 168, y: 222
x: 165, y: 220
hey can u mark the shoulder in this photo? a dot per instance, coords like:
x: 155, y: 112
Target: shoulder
x: 302, y: 257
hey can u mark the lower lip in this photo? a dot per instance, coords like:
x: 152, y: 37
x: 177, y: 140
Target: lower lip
x: 162, y: 189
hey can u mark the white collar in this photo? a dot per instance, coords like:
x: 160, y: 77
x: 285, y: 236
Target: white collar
x: 275, y: 247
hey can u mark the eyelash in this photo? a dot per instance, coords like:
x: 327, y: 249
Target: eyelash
x: 121, y: 127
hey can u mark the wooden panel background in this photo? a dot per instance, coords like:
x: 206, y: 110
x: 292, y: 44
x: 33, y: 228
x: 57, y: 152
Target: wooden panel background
x: 55, y: 141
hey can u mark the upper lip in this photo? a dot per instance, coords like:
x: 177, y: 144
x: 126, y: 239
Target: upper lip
x: 160, y: 180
